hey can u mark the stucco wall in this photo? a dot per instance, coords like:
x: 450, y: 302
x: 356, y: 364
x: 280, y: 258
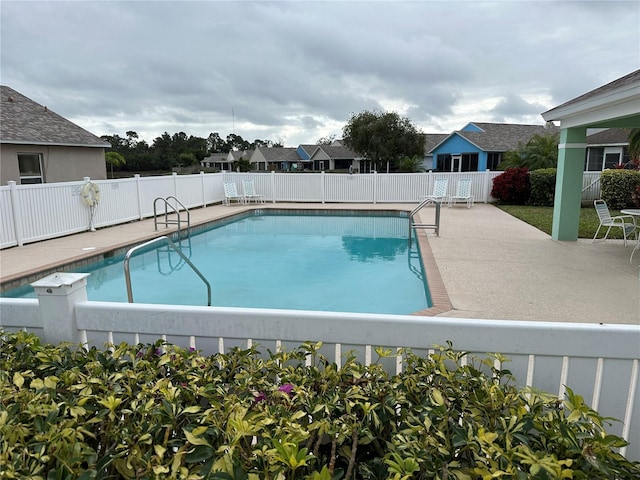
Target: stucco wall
x: 59, y: 164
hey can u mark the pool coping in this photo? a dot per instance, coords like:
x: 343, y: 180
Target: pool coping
x: 439, y: 297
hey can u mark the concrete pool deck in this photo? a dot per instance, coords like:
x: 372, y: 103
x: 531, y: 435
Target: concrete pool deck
x: 491, y: 265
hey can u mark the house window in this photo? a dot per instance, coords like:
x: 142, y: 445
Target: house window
x: 443, y: 162
x: 611, y: 160
x: 493, y: 160
x: 469, y: 162
x: 30, y: 165
x: 466, y: 162
x: 595, y: 157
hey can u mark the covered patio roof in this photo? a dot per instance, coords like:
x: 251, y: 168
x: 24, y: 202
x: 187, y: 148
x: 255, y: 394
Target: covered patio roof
x: 614, y: 105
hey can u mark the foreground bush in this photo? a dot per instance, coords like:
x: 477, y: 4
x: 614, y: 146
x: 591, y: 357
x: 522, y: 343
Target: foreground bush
x: 618, y: 187
x: 158, y: 411
x: 543, y: 187
x: 512, y: 186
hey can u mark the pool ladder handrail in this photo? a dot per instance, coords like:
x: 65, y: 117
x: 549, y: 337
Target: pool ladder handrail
x: 434, y: 226
x: 168, y: 206
x: 166, y: 240
x: 167, y: 250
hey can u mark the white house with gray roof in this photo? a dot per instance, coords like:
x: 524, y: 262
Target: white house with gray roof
x: 38, y: 146
x: 275, y: 158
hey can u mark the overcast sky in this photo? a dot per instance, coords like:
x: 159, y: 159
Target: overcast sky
x: 296, y: 71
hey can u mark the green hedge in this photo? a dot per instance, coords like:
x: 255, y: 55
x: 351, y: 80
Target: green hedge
x: 158, y: 411
x: 618, y: 187
x: 543, y: 187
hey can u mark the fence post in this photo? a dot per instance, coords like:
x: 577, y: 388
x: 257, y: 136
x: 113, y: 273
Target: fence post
x: 375, y: 186
x: 322, y: 185
x: 175, y: 184
x: 273, y: 186
x: 204, y: 198
x: 139, y: 195
x: 57, y: 296
x: 17, y: 212
x: 485, y: 193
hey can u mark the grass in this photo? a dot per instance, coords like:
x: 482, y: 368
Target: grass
x: 542, y: 218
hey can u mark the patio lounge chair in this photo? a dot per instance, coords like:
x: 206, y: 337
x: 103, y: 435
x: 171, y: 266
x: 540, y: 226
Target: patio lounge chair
x: 439, y: 190
x: 606, y: 220
x: 231, y: 193
x: 249, y: 191
x: 463, y: 193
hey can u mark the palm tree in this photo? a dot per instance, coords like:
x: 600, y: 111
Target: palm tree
x: 114, y: 159
x: 541, y: 151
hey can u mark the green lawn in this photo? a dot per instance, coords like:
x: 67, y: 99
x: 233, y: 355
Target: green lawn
x: 542, y: 218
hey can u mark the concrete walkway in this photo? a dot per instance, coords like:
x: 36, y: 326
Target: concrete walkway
x: 492, y: 265
x: 496, y: 266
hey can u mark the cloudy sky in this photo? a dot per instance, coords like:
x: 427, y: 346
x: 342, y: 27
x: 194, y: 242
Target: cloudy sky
x: 296, y: 71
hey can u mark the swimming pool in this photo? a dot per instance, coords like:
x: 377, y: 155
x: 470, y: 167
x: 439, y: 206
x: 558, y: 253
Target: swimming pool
x: 347, y: 261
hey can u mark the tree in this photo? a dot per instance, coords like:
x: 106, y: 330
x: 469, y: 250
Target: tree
x: 236, y: 142
x: 114, y: 159
x: 326, y: 140
x: 541, y: 151
x: 411, y: 164
x: 215, y: 143
x: 383, y: 137
x: 242, y: 164
x: 187, y: 159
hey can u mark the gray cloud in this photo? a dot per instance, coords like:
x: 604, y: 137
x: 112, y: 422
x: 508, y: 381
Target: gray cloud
x: 297, y: 70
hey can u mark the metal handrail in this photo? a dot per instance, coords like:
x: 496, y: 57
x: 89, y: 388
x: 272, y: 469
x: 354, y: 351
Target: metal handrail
x: 166, y: 240
x: 435, y: 226
x: 597, y: 180
x: 168, y: 222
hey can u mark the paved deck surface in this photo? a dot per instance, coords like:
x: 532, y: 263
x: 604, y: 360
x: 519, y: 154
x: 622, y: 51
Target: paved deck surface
x: 492, y: 266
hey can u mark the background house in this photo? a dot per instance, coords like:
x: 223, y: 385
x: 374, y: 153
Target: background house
x: 431, y: 140
x: 607, y: 149
x: 218, y: 161
x: 338, y: 157
x: 285, y: 159
x: 480, y: 146
x: 38, y: 145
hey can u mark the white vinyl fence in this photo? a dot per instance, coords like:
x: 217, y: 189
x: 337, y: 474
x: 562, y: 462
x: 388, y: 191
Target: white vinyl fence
x: 30, y: 213
x: 598, y: 361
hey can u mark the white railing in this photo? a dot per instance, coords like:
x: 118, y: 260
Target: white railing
x: 30, y: 213
x: 598, y: 361
x: 590, y: 187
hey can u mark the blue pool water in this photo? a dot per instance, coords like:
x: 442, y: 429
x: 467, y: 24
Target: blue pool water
x: 302, y: 261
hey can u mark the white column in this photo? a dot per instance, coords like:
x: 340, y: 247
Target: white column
x: 57, y: 295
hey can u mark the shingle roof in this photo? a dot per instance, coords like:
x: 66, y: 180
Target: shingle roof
x: 619, y: 136
x: 630, y: 79
x: 24, y: 121
x: 503, y: 137
x: 338, y: 152
x: 216, y: 157
x: 279, y: 154
x: 433, y: 139
x: 308, y: 148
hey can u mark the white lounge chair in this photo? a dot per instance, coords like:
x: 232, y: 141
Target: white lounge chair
x: 231, y: 193
x: 250, y: 194
x: 463, y: 193
x: 606, y: 220
x: 440, y: 186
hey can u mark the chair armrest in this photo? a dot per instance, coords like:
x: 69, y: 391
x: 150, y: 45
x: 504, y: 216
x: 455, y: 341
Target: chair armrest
x: 622, y: 218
